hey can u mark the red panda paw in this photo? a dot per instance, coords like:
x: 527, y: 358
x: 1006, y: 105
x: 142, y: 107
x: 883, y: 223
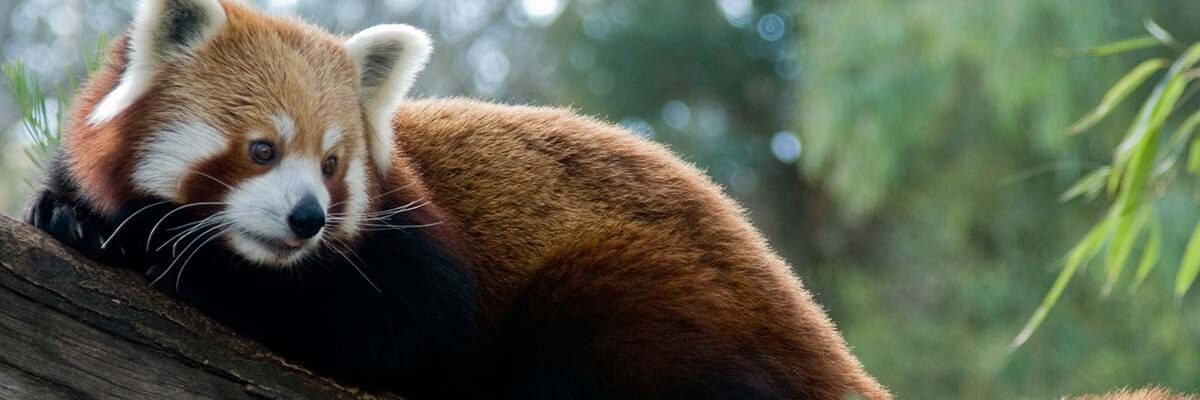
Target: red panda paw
x: 70, y: 226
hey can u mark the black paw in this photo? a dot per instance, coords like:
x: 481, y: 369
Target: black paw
x: 75, y: 228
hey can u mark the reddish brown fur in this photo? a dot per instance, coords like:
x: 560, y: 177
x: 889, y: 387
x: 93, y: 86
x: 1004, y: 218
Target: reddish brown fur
x: 567, y: 219
x: 595, y: 224
x: 573, y: 219
x: 253, y: 68
x: 102, y: 157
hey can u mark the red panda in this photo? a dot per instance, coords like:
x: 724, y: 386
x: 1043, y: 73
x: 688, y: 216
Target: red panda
x: 270, y: 174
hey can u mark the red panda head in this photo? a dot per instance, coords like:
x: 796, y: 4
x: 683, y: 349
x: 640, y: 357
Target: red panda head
x: 281, y: 129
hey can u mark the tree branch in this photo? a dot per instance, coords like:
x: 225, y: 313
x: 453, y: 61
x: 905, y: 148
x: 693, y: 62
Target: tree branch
x: 70, y: 329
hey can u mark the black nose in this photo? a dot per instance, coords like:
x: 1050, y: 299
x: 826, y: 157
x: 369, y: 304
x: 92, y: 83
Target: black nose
x: 307, y: 218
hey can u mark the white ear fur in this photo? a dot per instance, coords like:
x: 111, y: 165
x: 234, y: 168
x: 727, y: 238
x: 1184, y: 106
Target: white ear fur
x: 388, y: 57
x: 162, y: 30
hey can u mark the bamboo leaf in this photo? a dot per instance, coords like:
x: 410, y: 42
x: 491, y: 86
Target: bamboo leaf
x: 1123, y: 46
x: 1118, y: 93
x: 1193, y: 165
x: 1190, y: 265
x: 1128, y: 228
x: 1089, y: 184
x: 1186, y: 128
x: 1159, y: 33
x: 1136, y: 177
x: 1179, y: 145
x: 1080, y: 254
x: 1153, y: 114
x: 1150, y: 254
x: 1144, y: 152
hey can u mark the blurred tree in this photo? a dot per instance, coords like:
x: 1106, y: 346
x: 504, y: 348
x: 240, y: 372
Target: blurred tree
x: 944, y: 125
x: 713, y: 82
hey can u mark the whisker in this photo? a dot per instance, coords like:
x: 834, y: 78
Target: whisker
x: 413, y: 205
x: 386, y: 227
x: 186, y: 226
x: 177, y: 209
x: 207, y: 222
x: 355, y: 266
x: 189, y: 228
x: 377, y: 196
x: 179, y: 276
x: 383, y: 214
x: 176, y: 259
x: 104, y: 245
x: 350, y: 249
x: 388, y: 212
x: 207, y: 176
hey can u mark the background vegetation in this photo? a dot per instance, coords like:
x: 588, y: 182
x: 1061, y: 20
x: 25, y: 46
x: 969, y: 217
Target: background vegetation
x: 906, y: 156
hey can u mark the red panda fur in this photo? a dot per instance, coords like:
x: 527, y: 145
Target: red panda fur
x: 577, y: 219
x: 566, y: 219
x: 252, y: 56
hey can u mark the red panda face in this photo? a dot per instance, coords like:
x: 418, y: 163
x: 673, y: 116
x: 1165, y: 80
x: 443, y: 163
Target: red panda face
x: 280, y: 129
x: 279, y: 192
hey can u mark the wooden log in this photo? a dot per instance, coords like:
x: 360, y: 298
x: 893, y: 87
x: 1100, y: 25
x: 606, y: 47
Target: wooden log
x: 72, y: 329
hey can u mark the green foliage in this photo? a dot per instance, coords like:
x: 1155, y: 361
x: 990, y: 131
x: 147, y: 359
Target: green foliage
x: 1127, y: 45
x: 31, y: 102
x: 1139, y: 162
x: 939, y: 132
x: 1092, y: 243
x: 1118, y: 93
x: 25, y: 89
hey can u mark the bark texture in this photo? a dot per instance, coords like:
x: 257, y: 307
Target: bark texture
x: 72, y: 329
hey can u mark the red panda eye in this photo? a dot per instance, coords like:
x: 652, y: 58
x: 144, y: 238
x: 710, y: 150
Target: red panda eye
x: 262, y: 152
x: 329, y: 166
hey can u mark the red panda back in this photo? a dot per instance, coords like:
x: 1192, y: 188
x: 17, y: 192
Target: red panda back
x: 570, y: 219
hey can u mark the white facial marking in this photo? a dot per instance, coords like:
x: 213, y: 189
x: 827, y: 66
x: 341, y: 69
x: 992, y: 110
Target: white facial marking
x: 333, y: 135
x: 258, y: 210
x: 122, y: 97
x: 285, y: 126
x: 356, y: 193
x: 170, y: 153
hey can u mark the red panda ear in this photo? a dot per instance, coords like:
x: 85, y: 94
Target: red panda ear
x: 388, y: 58
x: 163, y: 30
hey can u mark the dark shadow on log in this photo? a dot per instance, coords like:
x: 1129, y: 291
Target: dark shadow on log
x: 72, y: 329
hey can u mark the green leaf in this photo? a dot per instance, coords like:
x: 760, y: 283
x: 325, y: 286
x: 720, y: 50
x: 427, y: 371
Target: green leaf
x: 1123, y: 46
x: 1137, y: 176
x: 1089, y: 184
x: 1118, y: 93
x: 1152, y: 115
x: 1129, y: 226
x: 1186, y: 128
x: 1159, y: 33
x: 1150, y: 254
x: 1190, y: 265
x: 93, y: 59
x: 1179, y: 144
x: 1080, y: 254
x: 1193, y: 165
